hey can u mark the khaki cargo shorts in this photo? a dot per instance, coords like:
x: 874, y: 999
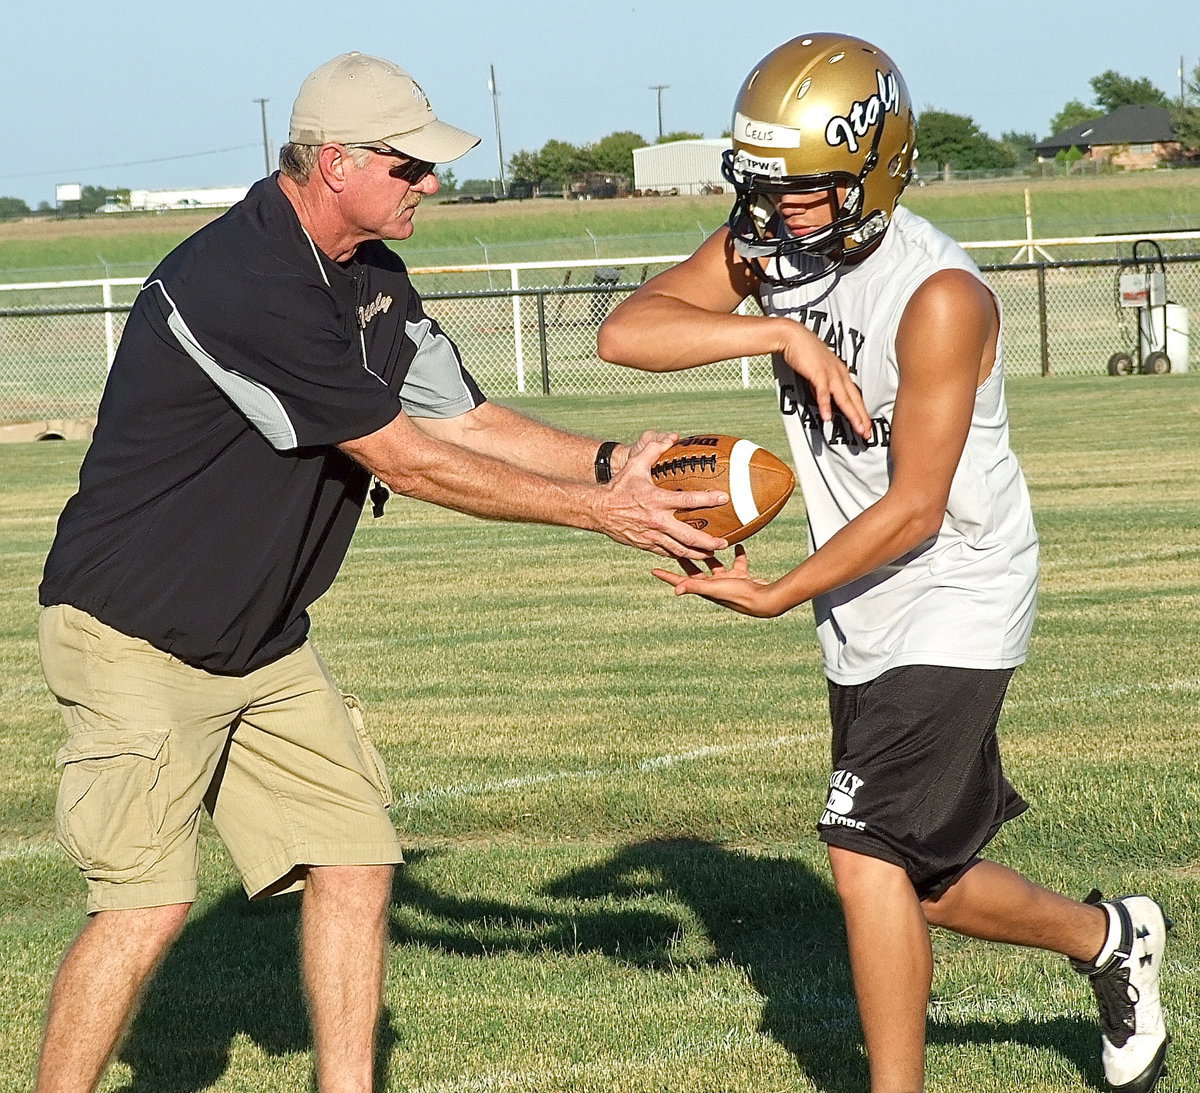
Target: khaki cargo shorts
x: 278, y: 757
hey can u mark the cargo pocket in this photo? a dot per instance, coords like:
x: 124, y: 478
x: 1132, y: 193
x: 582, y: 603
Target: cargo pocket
x: 372, y: 761
x: 110, y: 804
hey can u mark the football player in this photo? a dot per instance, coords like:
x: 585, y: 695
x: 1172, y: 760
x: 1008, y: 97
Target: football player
x: 922, y: 561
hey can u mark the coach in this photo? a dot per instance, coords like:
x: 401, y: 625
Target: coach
x: 271, y: 364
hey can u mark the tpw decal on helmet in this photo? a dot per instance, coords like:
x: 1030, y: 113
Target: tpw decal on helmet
x: 769, y: 167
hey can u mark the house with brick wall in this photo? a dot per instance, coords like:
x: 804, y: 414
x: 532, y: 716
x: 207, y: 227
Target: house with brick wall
x: 1133, y: 137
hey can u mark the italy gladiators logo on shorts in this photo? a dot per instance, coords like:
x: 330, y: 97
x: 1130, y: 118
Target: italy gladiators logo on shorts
x: 842, y: 787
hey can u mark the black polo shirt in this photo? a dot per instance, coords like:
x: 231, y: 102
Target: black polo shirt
x: 213, y: 507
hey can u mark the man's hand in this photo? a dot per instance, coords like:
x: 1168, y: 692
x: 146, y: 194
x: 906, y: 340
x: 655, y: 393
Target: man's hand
x: 827, y: 376
x: 730, y: 587
x: 632, y: 510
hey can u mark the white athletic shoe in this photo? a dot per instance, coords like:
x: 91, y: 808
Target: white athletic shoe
x: 1133, y: 1034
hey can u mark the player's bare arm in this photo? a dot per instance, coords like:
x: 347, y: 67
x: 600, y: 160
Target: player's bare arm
x: 630, y: 509
x: 946, y: 347
x: 686, y: 316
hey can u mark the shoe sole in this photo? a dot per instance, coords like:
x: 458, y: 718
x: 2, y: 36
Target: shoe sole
x: 1148, y: 1078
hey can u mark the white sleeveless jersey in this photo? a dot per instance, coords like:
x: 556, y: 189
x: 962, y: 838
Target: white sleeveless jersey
x: 966, y: 597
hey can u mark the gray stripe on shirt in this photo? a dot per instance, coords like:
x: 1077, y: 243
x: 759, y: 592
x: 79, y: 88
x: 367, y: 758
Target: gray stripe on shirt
x: 257, y: 402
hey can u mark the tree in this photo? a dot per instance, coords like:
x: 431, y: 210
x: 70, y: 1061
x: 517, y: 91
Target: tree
x: 12, y: 208
x: 680, y: 134
x: 1185, y: 122
x: 1068, y: 157
x: 1020, y: 146
x: 1185, y: 119
x: 478, y: 187
x: 525, y: 167
x: 955, y: 139
x: 1113, y: 90
x: 1072, y: 114
x: 614, y: 153
x: 560, y: 162
x: 94, y: 197
x: 556, y: 163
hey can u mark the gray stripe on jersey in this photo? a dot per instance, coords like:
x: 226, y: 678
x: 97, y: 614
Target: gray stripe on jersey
x: 434, y: 385
x: 257, y: 402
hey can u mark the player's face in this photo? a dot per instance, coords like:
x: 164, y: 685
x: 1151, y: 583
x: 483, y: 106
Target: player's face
x: 387, y: 190
x: 807, y: 213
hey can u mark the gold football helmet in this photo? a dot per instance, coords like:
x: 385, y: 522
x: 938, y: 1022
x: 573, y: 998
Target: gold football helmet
x: 822, y: 113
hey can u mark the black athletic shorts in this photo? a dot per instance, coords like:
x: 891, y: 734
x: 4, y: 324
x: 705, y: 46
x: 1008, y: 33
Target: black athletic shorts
x: 917, y: 779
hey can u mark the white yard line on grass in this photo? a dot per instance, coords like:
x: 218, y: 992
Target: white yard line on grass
x: 655, y: 763
x: 1175, y: 686
x: 30, y: 851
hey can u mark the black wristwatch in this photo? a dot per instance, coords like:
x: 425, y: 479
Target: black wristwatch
x: 603, y: 463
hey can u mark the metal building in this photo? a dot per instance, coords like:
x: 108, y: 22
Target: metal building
x: 199, y: 198
x: 680, y: 166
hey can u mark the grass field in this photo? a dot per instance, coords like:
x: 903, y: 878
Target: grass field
x: 550, y: 230
x: 609, y: 795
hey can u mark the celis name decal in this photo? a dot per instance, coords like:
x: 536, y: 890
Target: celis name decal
x: 763, y: 134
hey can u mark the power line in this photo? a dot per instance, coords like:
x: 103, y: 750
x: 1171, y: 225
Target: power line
x: 132, y: 163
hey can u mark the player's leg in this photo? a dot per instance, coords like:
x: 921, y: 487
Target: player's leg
x: 302, y: 803
x: 892, y: 965
x: 343, y: 944
x: 916, y: 790
x: 97, y: 988
x: 1117, y: 944
x: 992, y: 902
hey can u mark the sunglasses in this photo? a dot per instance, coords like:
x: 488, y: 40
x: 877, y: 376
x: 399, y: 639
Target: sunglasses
x: 412, y: 171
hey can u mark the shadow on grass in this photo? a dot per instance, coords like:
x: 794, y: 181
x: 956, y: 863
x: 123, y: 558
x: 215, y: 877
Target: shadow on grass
x: 773, y: 918
x: 234, y: 971
x: 781, y: 924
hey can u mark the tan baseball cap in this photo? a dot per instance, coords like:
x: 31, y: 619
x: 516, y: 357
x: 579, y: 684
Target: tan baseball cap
x: 359, y: 99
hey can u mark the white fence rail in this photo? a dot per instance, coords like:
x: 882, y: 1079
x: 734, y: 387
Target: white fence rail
x: 529, y: 328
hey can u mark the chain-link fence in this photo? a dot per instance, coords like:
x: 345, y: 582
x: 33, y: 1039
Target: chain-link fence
x: 531, y: 329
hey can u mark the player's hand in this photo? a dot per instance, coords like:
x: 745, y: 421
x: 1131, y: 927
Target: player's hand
x: 731, y: 586
x: 828, y: 378
x: 632, y: 510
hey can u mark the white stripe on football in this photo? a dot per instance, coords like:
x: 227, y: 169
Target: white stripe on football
x: 757, y: 482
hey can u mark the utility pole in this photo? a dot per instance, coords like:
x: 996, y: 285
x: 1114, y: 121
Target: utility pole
x: 262, y: 107
x: 1182, y: 97
x: 660, y: 88
x: 496, y: 114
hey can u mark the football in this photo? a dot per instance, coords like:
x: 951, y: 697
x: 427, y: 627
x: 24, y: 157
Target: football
x: 758, y: 483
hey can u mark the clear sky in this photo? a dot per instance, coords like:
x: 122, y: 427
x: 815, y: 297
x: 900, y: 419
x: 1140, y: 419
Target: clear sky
x: 157, y: 94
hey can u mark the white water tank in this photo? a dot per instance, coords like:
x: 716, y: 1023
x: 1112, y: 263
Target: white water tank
x: 1177, y: 347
